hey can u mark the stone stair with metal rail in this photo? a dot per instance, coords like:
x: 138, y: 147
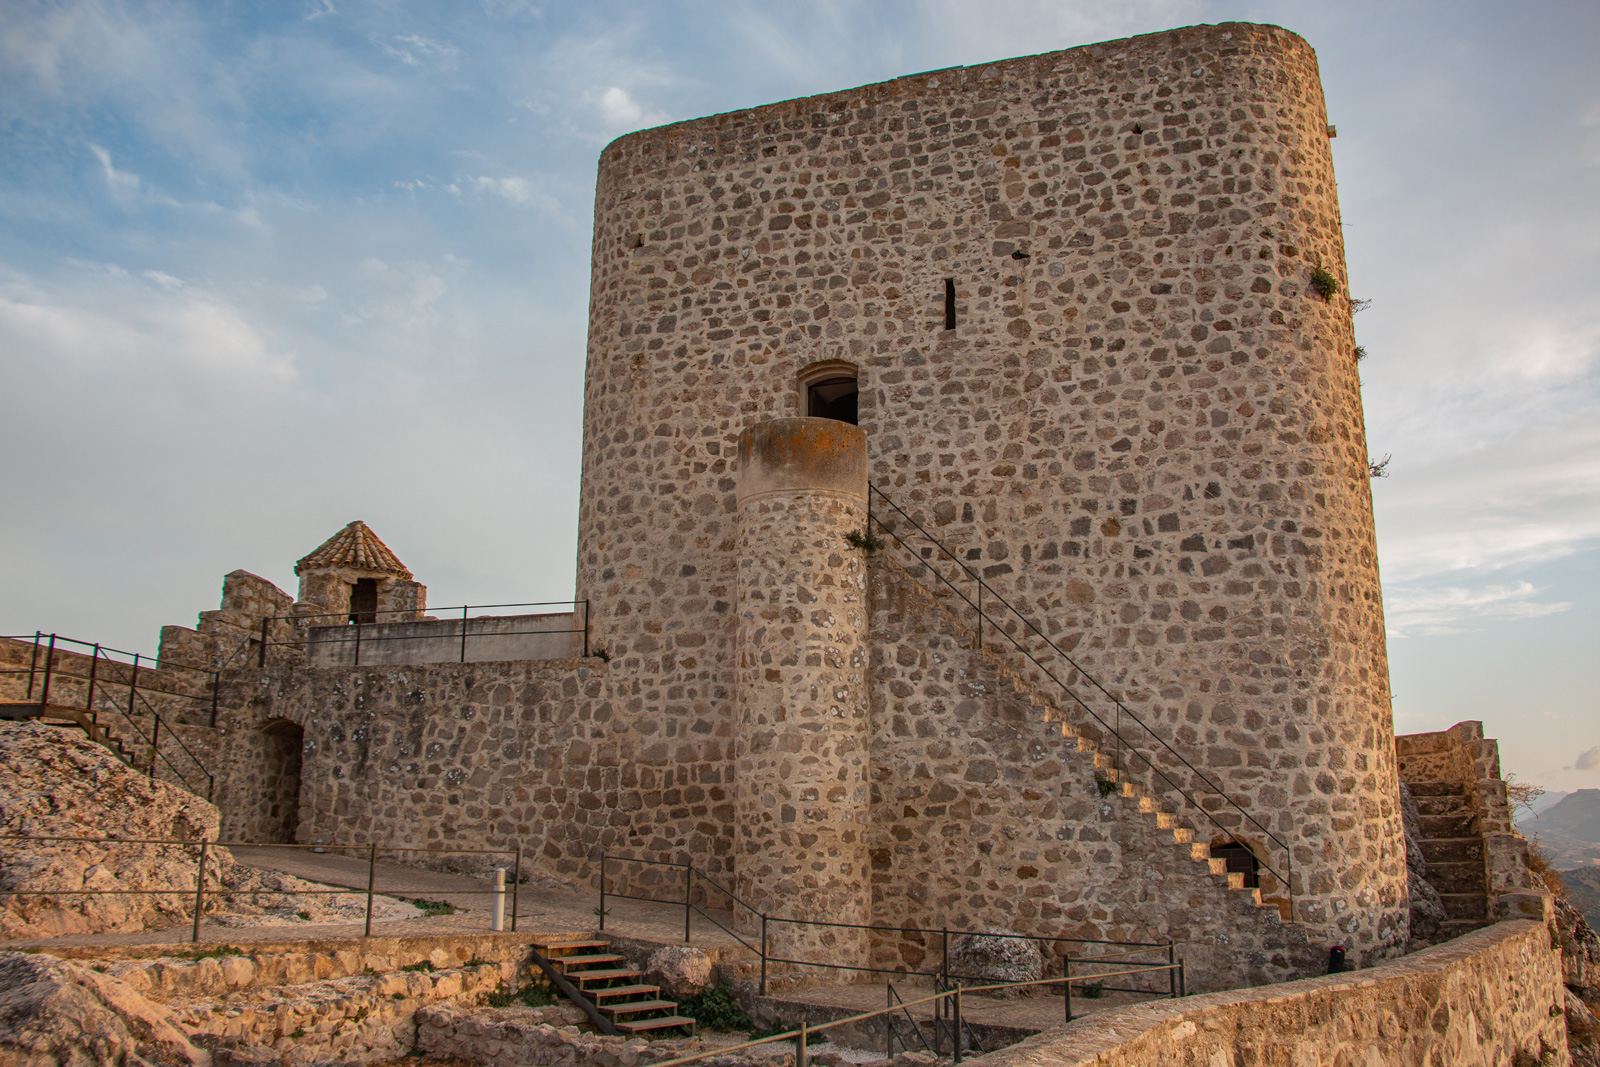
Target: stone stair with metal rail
x: 612, y: 987
x: 1090, y: 741
x: 1453, y: 846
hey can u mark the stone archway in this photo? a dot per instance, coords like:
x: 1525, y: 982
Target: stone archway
x: 283, y: 742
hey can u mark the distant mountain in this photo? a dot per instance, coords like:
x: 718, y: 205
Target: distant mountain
x: 1583, y: 889
x: 1576, y: 815
x: 1548, y: 801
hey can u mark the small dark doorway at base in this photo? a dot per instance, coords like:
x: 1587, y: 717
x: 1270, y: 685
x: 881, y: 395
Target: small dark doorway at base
x: 284, y: 741
x: 364, y: 600
x: 1240, y: 861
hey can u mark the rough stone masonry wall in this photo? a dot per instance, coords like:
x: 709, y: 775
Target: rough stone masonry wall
x: 556, y: 756
x: 1492, y: 998
x: 1147, y: 434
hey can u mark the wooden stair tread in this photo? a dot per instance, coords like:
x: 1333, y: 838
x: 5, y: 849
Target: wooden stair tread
x: 589, y: 960
x: 580, y: 977
x: 547, y: 947
x: 623, y: 991
x: 638, y: 1005
x: 656, y: 1024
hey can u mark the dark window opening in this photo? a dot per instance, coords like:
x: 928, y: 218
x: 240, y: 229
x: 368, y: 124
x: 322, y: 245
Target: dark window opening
x: 834, y: 398
x: 1240, y: 861
x: 364, y: 600
x: 949, y: 303
x: 282, y: 743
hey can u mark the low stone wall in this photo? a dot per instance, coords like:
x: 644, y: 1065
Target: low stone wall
x: 1492, y: 998
x: 524, y: 1037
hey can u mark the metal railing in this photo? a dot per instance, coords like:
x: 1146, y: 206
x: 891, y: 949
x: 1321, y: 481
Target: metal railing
x: 950, y: 997
x: 1123, y: 714
x: 199, y: 892
x: 694, y: 878
x: 100, y: 690
x: 359, y: 626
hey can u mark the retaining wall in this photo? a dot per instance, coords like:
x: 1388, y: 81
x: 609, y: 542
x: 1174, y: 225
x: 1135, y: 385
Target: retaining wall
x: 1492, y: 998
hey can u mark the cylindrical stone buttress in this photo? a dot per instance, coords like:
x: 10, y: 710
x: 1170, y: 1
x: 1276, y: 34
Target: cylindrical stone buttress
x: 801, y: 774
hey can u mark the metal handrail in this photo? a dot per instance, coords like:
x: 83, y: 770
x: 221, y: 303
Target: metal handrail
x: 199, y: 891
x: 1285, y: 879
x: 954, y: 995
x: 689, y: 908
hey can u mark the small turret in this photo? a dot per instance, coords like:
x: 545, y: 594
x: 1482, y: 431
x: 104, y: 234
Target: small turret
x: 353, y: 576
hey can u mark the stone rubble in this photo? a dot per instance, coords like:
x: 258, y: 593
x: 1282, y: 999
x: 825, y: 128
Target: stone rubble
x: 680, y: 971
x: 996, y: 957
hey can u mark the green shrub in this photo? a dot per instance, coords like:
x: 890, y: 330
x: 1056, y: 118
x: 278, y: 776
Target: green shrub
x: 431, y: 908
x: 534, y: 995
x: 715, y: 1009
x: 1094, y: 990
x: 865, y: 540
x: 1323, y: 283
x: 421, y: 966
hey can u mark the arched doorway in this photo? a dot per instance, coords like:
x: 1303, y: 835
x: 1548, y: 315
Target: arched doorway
x: 283, y: 741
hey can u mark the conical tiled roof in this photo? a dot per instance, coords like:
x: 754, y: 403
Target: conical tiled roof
x: 355, y: 546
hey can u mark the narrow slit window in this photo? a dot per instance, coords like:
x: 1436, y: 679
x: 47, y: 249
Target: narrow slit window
x: 949, y: 303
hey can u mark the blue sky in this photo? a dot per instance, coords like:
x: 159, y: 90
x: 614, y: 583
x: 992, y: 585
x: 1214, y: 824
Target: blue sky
x: 265, y: 268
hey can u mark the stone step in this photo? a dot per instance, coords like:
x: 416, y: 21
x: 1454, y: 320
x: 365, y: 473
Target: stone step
x: 1435, y: 789
x: 1474, y: 906
x: 1452, y: 849
x: 637, y: 1007
x: 612, y: 992
x: 1448, y: 825
x: 645, y: 1025
x: 583, y: 979
x: 549, y: 949
x: 1452, y: 928
x: 1465, y: 877
x: 1443, y: 806
x: 570, y: 965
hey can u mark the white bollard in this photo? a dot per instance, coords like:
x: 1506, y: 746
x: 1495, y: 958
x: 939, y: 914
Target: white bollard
x: 497, y: 920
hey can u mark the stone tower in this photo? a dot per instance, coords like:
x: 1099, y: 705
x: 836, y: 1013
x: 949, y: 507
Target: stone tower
x: 1089, y: 310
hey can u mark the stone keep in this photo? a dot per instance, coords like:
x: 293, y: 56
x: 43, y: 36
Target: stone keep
x: 1142, y: 428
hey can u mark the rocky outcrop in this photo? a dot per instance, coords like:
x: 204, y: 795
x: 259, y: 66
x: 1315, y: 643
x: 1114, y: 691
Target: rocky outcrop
x: 679, y: 970
x: 1427, y: 908
x: 56, y: 783
x: 57, y: 1014
x: 996, y: 957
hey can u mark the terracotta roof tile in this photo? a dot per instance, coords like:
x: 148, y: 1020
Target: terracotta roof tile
x: 355, y: 546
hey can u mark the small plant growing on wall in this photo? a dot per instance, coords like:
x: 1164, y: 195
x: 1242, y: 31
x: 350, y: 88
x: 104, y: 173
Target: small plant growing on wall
x: 1323, y: 283
x: 1379, y: 469
x: 865, y: 540
x: 1107, y: 786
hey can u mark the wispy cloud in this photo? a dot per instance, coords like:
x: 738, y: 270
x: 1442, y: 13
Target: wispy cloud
x: 1431, y: 612
x: 1588, y: 760
x: 414, y: 49
x: 620, y: 111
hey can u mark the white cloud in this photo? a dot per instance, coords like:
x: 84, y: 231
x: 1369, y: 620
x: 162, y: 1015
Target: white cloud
x: 413, y: 49
x: 520, y: 191
x: 121, y: 183
x: 319, y: 9
x: 1427, y: 612
x: 140, y: 331
x: 620, y: 111
x: 1588, y: 760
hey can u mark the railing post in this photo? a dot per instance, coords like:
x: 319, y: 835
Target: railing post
x: 216, y: 684
x: 1066, y: 973
x: 763, y: 954
x: 888, y: 1020
x: 800, y: 1056
x: 602, y: 892
x: 88, y: 702
x: 944, y: 970
x: 585, y: 629
x: 33, y: 661
x: 1172, y: 973
x: 980, y: 614
x: 688, y: 887
x: 49, y: 663
x: 464, y: 608
x: 155, y: 742
x: 1183, y: 985
x: 516, y: 880
x: 199, y: 891
x: 357, y: 662
x: 497, y: 911
x: 261, y: 658
x: 956, y: 1015
x: 372, y: 876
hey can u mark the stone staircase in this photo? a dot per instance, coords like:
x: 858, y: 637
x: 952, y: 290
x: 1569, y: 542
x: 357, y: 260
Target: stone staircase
x: 1263, y: 910
x: 614, y: 987
x: 1453, y: 846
